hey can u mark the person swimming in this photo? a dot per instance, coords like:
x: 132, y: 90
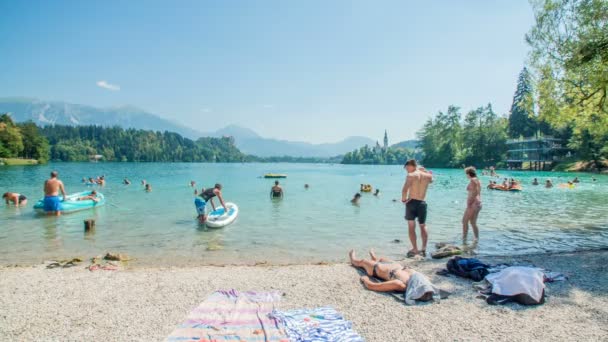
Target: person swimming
x: 548, y: 184
x: 306, y: 186
x: 576, y: 180
x: 148, y: 187
x: 126, y: 182
x: 355, y: 199
x: 377, y: 192
x: 276, y: 191
x: 535, y: 181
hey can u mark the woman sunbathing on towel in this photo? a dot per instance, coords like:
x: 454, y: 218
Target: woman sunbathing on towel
x: 396, y: 278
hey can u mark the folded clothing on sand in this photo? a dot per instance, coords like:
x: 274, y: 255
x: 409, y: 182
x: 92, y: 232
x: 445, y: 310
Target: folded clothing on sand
x: 319, y: 324
x: 525, y: 284
x: 232, y: 316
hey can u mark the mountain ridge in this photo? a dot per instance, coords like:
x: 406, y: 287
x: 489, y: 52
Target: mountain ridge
x: 127, y: 116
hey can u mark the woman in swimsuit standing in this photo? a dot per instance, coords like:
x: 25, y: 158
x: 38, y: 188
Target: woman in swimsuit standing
x: 473, y: 204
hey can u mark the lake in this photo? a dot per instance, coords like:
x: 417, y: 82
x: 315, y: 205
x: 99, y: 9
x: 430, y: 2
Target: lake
x: 309, y: 225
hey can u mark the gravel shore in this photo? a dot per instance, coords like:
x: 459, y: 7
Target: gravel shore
x: 142, y: 303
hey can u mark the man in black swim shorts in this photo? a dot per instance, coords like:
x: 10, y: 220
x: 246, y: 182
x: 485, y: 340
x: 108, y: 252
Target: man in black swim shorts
x: 413, y: 195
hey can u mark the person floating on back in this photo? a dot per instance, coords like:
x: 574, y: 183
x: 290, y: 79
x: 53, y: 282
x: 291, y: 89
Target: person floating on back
x: 276, y: 191
x: 208, y: 195
x: 52, y: 203
x: 18, y: 199
x: 413, y: 195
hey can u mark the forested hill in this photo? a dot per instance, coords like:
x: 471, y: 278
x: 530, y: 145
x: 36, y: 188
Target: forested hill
x: 69, y: 143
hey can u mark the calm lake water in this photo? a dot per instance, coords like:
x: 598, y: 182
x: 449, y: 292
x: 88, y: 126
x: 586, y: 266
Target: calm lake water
x: 318, y: 224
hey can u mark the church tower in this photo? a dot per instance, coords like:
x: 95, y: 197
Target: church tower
x: 385, y: 141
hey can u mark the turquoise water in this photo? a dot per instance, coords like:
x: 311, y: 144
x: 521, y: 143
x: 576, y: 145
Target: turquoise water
x: 314, y: 225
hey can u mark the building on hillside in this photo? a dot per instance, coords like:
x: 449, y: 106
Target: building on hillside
x: 537, y: 152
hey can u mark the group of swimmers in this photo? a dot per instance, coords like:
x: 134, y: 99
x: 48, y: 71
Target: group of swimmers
x: 357, y: 196
x: 100, y: 180
x: 507, y: 184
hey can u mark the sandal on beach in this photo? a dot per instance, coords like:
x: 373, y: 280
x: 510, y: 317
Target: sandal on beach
x: 423, y: 253
x: 411, y: 254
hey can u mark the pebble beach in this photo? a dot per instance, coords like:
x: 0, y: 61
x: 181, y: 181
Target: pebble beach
x: 141, y: 303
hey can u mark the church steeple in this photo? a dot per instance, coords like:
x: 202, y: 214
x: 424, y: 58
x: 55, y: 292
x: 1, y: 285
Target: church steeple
x: 385, y: 140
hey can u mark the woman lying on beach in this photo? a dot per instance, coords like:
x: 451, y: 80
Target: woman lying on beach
x: 396, y: 278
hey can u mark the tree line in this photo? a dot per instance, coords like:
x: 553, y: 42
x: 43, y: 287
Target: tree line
x: 378, y: 156
x: 22, y: 140
x: 563, y: 94
x: 80, y: 143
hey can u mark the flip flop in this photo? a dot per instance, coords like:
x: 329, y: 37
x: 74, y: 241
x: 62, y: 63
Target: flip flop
x: 423, y: 253
x: 411, y: 254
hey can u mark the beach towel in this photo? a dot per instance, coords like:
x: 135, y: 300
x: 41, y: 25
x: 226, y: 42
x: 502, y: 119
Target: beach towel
x: 523, y: 284
x: 316, y: 325
x: 232, y: 316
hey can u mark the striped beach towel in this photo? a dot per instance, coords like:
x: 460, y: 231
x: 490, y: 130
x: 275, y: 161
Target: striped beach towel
x: 316, y: 325
x: 232, y: 316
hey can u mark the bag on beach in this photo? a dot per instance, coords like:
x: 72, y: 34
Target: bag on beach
x: 467, y: 268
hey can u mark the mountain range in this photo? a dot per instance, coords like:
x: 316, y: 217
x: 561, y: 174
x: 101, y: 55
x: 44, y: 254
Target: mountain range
x: 63, y: 113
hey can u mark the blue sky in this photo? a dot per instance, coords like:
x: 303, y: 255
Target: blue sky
x: 309, y: 70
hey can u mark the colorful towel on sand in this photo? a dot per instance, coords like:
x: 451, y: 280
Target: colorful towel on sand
x: 232, y: 316
x: 316, y: 325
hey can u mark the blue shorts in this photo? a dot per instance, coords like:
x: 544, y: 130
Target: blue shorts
x: 52, y: 203
x: 200, y: 206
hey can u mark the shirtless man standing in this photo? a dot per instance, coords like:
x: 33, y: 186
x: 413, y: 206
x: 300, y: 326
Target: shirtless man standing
x: 413, y: 195
x: 52, y: 203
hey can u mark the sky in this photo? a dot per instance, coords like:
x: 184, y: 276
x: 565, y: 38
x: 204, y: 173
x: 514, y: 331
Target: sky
x: 306, y: 70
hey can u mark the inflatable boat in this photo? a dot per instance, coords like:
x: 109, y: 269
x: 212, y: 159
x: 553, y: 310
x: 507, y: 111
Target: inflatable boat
x: 515, y: 189
x: 275, y: 175
x: 219, y: 218
x: 72, y: 204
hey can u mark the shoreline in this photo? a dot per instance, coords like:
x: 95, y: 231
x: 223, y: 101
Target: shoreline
x: 146, y: 303
x: 134, y: 262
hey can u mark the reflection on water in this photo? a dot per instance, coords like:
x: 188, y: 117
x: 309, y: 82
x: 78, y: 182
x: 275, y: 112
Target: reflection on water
x: 307, y: 225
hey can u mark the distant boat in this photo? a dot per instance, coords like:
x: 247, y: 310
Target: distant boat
x: 275, y: 175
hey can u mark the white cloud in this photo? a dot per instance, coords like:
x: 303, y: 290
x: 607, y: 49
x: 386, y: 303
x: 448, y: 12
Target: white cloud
x: 109, y: 86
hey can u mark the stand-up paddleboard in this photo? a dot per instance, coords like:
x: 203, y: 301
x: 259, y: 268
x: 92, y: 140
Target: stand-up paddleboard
x: 219, y: 218
x: 72, y: 204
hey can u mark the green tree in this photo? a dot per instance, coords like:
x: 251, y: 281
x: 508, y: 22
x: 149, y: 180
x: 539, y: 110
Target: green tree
x: 35, y: 145
x: 521, y: 119
x: 570, y: 55
x: 11, y: 141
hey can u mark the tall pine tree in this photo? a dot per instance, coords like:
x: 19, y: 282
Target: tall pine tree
x: 521, y: 120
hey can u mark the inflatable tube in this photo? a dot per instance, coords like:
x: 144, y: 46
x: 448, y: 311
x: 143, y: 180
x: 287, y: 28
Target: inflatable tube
x: 72, y: 204
x: 503, y: 189
x: 275, y: 175
x: 218, y: 218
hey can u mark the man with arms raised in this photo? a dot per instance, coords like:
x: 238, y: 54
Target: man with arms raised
x: 52, y: 186
x: 413, y: 195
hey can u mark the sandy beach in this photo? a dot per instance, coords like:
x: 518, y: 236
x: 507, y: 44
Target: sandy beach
x: 143, y: 303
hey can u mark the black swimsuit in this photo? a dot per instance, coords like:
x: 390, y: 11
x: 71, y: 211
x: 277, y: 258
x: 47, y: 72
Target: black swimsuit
x: 208, y: 194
